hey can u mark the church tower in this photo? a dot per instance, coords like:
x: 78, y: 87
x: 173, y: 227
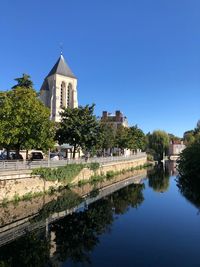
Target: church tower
x: 59, y: 89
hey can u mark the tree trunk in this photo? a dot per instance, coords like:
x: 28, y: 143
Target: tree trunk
x: 74, y: 152
x: 7, y: 153
x: 17, y: 152
x: 26, y: 154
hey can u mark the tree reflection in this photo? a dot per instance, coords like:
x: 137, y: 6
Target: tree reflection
x: 74, y: 237
x: 78, y: 234
x: 128, y: 196
x: 159, y: 178
x: 67, y: 200
x: 190, y: 189
x: 31, y: 250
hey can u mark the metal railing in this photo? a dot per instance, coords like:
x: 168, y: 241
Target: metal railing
x: 26, y: 165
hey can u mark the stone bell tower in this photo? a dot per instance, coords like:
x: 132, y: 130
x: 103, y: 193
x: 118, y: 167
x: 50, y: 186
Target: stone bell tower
x: 59, y: 89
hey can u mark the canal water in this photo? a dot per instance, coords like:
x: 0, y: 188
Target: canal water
x: 154, y: 223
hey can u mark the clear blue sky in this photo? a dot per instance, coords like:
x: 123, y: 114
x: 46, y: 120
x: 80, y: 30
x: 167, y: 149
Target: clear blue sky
x: 139, y: 56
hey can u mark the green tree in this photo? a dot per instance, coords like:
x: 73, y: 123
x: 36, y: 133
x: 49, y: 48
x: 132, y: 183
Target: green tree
x: 136, y: 138
x: 173, y: 137
x: 79, y: 128
x: 121, y: 137
x: 24, y: 81
x: 107, y: 136
x: 159, y: 142
x: 24, y: 121
x: 189, y: 161
x: 189, y: 137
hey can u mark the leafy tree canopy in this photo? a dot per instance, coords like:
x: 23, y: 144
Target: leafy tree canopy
x: 189, y: 162
x: 24, y: 81
x: 136, y: 138
x: 159, y: 142
x: 107, y: 137
x: 24, y: 120
x: 122, y: 136
x: 79, y: 128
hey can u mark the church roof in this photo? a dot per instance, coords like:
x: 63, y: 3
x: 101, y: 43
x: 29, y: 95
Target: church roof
x: 45, y: 85
x: 61, y: 68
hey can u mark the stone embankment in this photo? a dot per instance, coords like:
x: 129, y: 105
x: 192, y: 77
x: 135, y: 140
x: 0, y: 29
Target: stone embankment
x: 14, y: 184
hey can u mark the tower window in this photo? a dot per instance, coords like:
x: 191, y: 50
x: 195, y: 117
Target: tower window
x: 69, y: 95
x: 63, y: 95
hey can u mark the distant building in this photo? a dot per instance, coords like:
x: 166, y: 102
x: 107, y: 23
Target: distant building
x: 175, y: 148
x: 116, y: 119
x: 59, y: 89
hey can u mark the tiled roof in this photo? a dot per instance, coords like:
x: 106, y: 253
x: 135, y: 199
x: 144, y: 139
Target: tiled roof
x: 61, y: 68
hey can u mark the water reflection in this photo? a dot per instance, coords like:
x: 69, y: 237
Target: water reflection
x: 190, y: 189
x: 66, y: 201
x: 159, y: 178
x: 75, y: 236
x: 31, y: 250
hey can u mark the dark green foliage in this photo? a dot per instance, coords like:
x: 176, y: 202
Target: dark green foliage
x: 96, y: 178
x: 190, y: 189
x: 107, y: 136
x: 189, y: 162
x: 29, y: 251
x: 189, y: 173
x: 110, y: 174
x: 23, y: 81
x: 136, y: 138
x: 63, y: 173
x: 122, y: 137
x: 79, y: 128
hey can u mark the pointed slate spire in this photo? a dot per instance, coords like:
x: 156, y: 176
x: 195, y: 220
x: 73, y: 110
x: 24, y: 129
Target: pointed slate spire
x: 61, y: 68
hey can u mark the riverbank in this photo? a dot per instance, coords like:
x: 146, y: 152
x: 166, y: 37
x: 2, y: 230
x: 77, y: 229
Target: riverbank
x: 16, y: 185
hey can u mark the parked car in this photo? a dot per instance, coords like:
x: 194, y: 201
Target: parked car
x: 54, y: 156
x: 36, y: 156
x: 12, y: 156
x: 2, y: 156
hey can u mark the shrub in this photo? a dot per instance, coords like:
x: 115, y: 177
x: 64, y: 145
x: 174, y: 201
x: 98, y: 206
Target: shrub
x: 16, y: 198
x: 110, y: 174
x: 4, y: 202
x: 96, y: 178
x: 63, y: 173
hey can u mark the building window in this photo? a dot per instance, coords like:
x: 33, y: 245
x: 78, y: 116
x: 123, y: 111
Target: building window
x: 69, y: 95
x: 63, y: 95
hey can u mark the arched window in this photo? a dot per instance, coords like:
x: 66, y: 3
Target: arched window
x: 63, y: 95
x: 69, y: 95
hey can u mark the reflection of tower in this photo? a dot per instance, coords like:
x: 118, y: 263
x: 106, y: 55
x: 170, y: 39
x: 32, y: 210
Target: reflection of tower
x: 52, y: 243
x: 53, y: 247
x: 59, y: 89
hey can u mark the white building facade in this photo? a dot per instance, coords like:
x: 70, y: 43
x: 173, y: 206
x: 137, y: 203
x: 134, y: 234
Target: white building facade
x: 59, y: 89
